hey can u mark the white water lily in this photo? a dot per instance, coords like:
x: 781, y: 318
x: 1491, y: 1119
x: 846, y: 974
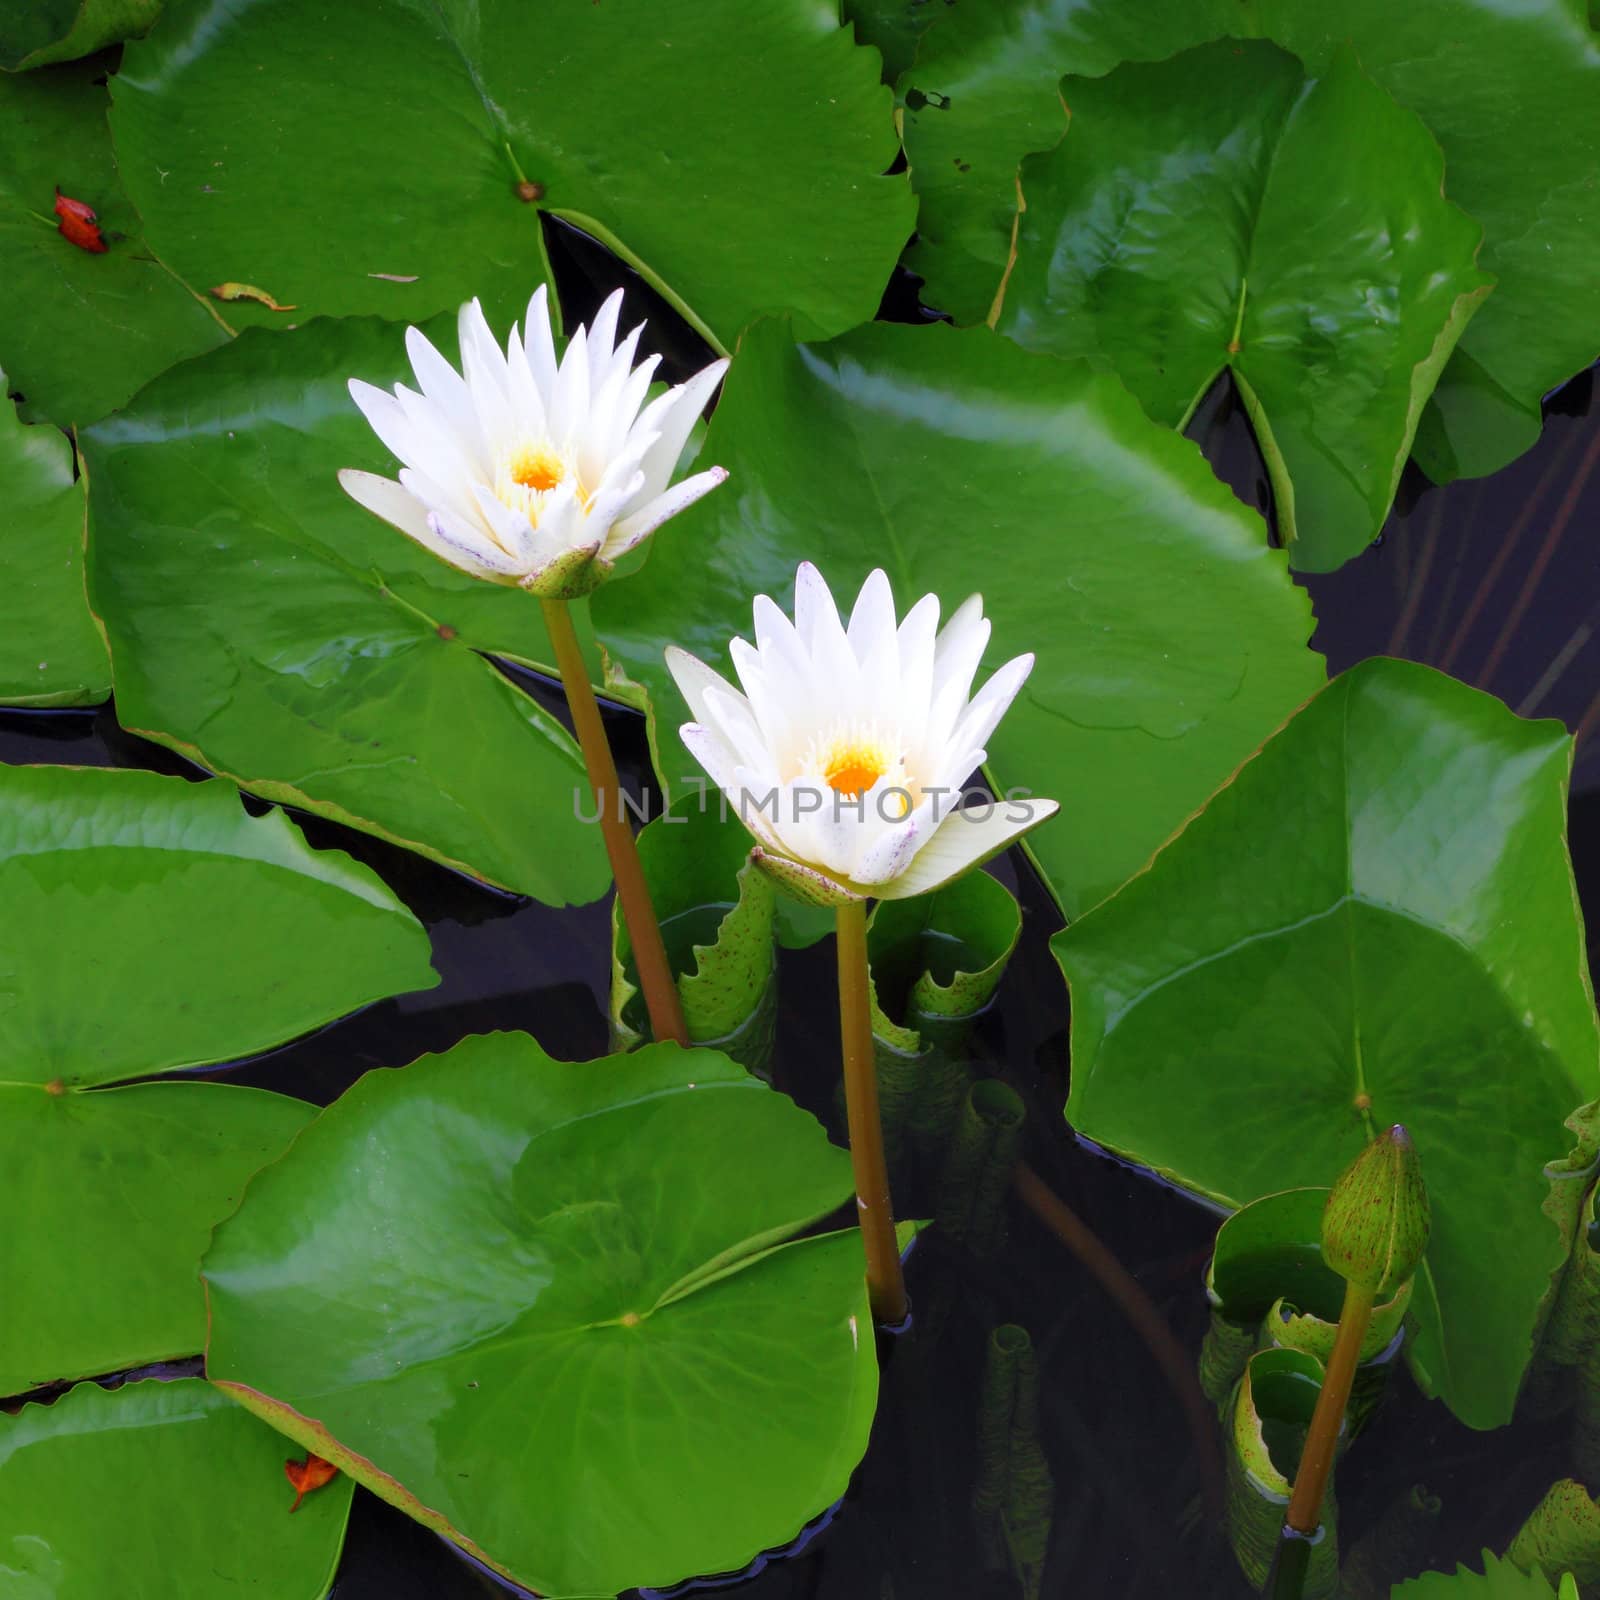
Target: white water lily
x: 846, y: 754
x: 528, y: 471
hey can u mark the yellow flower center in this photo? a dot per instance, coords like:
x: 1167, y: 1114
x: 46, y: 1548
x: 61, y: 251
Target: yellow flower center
x: 853, y: 767
x: 536, y: 467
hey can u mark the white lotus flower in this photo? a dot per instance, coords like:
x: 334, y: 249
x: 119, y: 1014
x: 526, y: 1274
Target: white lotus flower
x: 526, y: 471
x: 846, y: 754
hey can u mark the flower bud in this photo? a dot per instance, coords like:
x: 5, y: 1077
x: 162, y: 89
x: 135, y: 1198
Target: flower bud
x: 1375, y: 1224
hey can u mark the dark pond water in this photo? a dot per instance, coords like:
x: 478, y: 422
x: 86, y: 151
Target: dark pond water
x: 1496, y: 580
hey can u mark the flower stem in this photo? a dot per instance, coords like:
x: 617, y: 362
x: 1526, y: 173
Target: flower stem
x: 886, y: 1288
x: 644, y: 932
x: 1322, y: 1438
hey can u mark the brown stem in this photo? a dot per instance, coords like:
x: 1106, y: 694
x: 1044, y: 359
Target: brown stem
x: 1141, y: 1312
x: 644, y: 932
x: 1322, y: 1438
x: 886, y: 1287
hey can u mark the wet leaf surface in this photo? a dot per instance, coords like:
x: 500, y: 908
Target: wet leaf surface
x: 1185, y: 227
x: 1373, y: 923
x: 197, y: 1487
x: 121, y: 888
x: 754, y: 190
x: 563, y: 1313
x: 87, y: 330
x: 265, y: 626
x: 1511, y: 93
x: 1170, y: 640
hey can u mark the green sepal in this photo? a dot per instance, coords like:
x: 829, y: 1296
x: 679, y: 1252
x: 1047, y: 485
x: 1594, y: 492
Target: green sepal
x: 717, y: 917
x: 1376, y: 1224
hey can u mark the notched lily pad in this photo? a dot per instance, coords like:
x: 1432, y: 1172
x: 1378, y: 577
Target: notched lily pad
x: 198, y: 1491
x: 565, y: 1314
x: 735, y: 193
x: 123, y: 953
x: 1225, y: 211
x: 1170, y: 640
x: 1374, y: 922
x: 95, y: 328
x: 266, y: 627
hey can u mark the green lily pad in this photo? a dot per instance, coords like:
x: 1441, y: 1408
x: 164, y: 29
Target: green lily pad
x: 1184, y: 227
x: 1170, y: 640
x: 124, y: 953
x: 562, y: 1312
x: 717, y: 915
x: 1373, y: 923
x: 736, y: 192
x: 51, y: 653
x: 1511, y: 93
x: 1499, y: 1580
x: 198, y: 1490
x: 96, y: 327
x: 262, y: 624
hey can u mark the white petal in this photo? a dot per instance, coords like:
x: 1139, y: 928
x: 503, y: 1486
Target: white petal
x: 876, y: 645
x: 977, y: 722
x: 452, y: 541
x: 603, y: 336
x: 385, y: 498
x: 888, y: 853
x: 511, y: 529
x: 527, y: 402
x: 640, y: 524
x: 474, y: 550
x: 442, y: 450
x: 672, y: 417
x: 694, y: 680
x: 386, y: 418
x: 571, y: 401
x: 441, y: 384
x: 561, y: 524
x: 539, y: 345
x: 966, y: 840
x: 956, y: 655
x: 484, y: 368
x: 608, y: 501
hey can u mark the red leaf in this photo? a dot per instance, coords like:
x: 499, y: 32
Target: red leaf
x: 79, y: 224
x: 305, y: 1476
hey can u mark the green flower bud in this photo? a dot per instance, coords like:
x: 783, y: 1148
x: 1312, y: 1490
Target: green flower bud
x: 1375, y: 1224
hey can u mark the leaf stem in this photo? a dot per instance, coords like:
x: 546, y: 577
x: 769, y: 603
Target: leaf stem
x: 1322, y: 1437
x: 886, y: 1287
x: 644, y: 932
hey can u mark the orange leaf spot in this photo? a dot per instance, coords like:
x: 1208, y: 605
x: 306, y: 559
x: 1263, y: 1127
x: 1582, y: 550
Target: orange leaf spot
x: 305, y: 1476
x: 78, y: 224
